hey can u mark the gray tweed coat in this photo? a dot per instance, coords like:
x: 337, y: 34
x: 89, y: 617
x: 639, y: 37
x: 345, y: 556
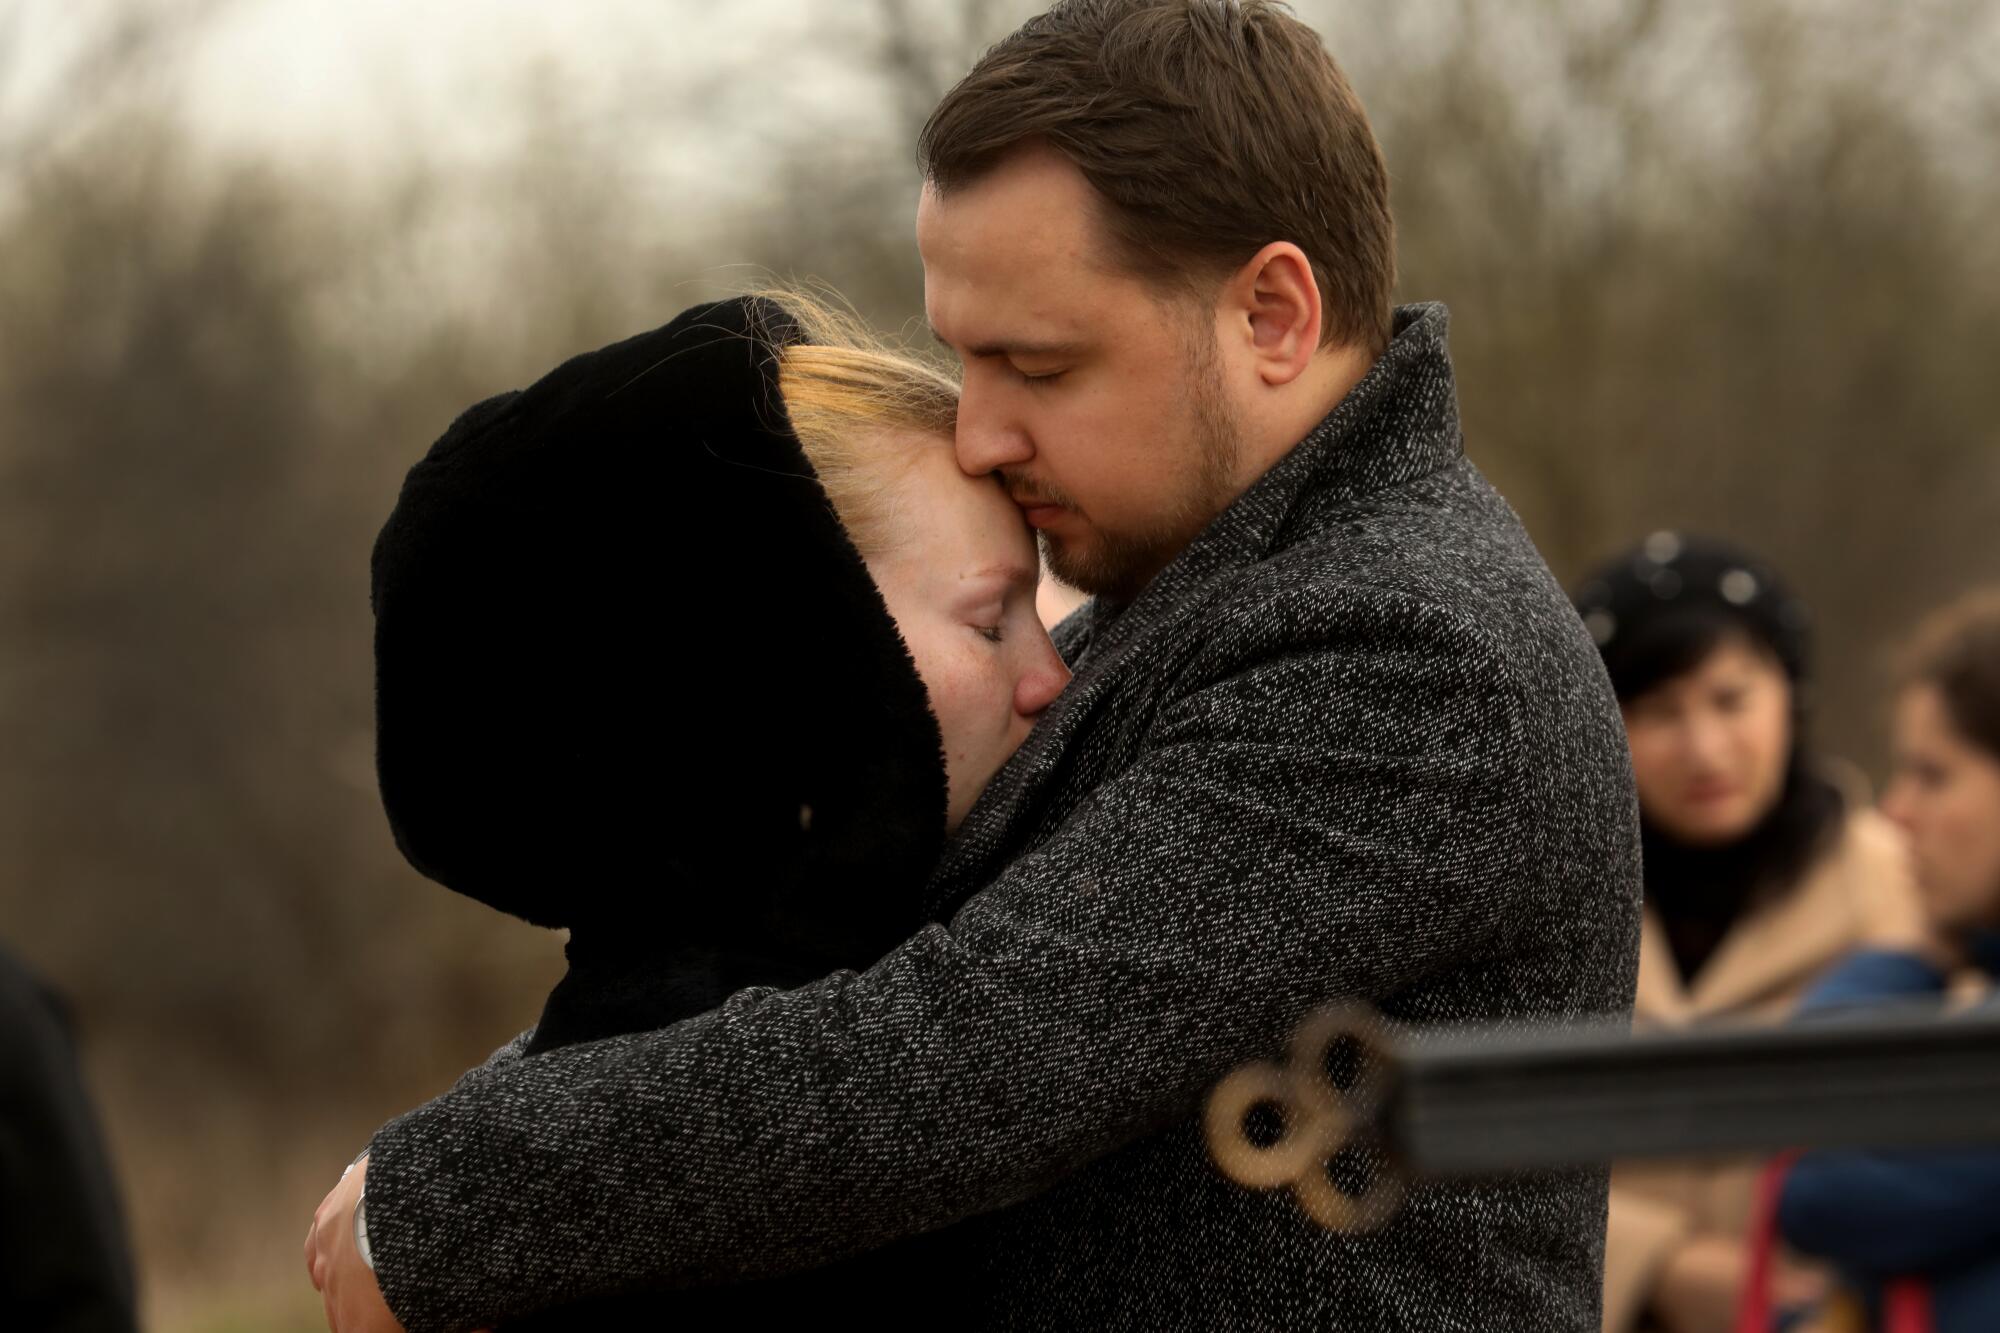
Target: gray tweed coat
x: 1352, y: 742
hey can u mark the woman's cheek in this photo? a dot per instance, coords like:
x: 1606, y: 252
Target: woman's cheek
x: 1652, y: 762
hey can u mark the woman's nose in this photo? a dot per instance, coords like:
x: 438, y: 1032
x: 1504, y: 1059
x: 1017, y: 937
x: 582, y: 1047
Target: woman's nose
x: 1041, y: 683
x: 1704, y: 743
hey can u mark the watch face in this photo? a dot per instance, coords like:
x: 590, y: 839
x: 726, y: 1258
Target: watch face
x: 361, y: 1232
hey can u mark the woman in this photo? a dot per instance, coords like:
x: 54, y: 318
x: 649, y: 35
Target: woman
x: 698, y: 647
x: 1932, y: 1216
x: 1761, y: 869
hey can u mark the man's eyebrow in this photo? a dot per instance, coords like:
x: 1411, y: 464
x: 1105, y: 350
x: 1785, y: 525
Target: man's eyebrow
x: 1028, y: 347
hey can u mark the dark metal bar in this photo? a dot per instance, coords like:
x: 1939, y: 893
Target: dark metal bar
x: 1478, y: 1103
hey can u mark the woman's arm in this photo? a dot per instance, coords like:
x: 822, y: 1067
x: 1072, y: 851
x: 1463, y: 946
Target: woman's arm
x: 1883, y: 1214
x: 1870, y: 977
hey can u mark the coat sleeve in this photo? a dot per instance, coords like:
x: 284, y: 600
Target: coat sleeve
x: 1341, y: 813
x: 1870, y: 977
x: 1885, y: 1214
x: 1889, y: 1214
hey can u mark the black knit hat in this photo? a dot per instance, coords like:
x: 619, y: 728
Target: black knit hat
x: 1677, y: 589
x: 630, y: 669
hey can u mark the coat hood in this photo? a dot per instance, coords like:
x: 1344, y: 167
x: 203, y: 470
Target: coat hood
x: 632, y: 674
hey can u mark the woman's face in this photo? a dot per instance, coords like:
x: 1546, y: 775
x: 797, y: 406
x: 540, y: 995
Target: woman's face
x: 1710, y: 747
x: 1946, y: 795
x: 961, y: 585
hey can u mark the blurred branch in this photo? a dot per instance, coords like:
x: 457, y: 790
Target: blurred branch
x: 121, y: 45
x: 1596, y: 60
x: 921, y: 57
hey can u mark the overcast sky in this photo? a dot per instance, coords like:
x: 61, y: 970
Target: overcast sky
x: 364, y: 71
x: 350, y: 81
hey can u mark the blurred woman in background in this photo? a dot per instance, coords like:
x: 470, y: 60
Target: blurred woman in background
x: 1763, y: 866
x: 1932, y: 1216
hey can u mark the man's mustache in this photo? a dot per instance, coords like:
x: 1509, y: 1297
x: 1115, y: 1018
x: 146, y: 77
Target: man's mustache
x: 1029, y: 494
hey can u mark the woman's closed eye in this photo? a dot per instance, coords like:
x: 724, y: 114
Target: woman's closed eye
x: 990, y: 633
x: 1731, y: 700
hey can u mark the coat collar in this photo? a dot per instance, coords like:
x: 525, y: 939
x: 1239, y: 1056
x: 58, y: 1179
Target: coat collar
x: 1774, y: 951
x: 1769, y: 953
x: 1399, y: 423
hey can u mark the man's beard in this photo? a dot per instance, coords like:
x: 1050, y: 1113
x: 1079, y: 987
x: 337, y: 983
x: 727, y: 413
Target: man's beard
x: 1117, y: 565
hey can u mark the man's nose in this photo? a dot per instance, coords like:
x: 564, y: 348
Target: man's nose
x: 988, y: 437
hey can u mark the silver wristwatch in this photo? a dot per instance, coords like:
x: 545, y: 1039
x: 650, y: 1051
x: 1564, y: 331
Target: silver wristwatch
x: 361, y: 1230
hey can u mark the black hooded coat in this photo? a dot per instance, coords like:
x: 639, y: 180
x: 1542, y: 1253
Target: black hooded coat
x: 633, y: 679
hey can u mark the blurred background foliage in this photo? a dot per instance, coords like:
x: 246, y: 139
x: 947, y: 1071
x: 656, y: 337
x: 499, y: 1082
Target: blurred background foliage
x: 1722, y: 266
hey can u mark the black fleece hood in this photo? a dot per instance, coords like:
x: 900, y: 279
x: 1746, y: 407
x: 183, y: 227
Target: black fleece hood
x: 631, y: 675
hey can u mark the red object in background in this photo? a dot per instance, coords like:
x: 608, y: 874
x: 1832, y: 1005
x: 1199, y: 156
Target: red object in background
x: 1906, y: 1307
x: 1906, y: 1302
x: 1753, y: 1310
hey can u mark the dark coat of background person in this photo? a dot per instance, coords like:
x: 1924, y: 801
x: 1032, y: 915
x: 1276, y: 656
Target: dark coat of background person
x: 1885, y: 1215
x: 1352, y: 742
x: 64, y: 1265
x: 633, y: 679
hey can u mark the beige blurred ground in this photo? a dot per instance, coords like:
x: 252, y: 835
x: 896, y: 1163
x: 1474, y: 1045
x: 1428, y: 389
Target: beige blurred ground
x: 1724, y: 266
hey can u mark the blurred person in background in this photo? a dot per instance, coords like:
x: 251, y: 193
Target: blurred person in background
x: 759, y: 812
x: 64, y: 1265
x: 1932, y: 1216
x: 1763, y: 867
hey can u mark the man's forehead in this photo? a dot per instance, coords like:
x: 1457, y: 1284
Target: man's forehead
x: 1007, y: 269
x: 1031, y: 214
x: 983, y: 309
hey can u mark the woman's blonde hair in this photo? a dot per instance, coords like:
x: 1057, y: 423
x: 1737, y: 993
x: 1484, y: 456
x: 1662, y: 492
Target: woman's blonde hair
x: 850, y: 392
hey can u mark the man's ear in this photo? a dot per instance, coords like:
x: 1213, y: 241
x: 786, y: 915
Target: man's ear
x: 1277, y: 300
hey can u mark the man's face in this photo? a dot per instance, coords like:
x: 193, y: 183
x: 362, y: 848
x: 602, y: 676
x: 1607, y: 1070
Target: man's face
x: 1098, y: 400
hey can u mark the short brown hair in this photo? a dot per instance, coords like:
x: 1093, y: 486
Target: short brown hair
x: 1211, y: 128
x: 1956, y: 651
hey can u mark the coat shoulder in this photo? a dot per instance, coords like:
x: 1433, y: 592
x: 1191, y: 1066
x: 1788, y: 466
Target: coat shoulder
x: 1443, y: 550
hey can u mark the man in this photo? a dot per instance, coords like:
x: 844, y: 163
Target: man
x: 1334, y: 732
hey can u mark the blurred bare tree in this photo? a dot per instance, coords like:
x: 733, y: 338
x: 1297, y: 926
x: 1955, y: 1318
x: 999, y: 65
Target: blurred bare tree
x: 110, y: 49
x: 1730, y: 272
x: 842, y: 210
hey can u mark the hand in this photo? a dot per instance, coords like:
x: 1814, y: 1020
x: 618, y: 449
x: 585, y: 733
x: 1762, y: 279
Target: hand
x: 347, y: 1288
x: 1941, y: 948
x: 1701, y: 1284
